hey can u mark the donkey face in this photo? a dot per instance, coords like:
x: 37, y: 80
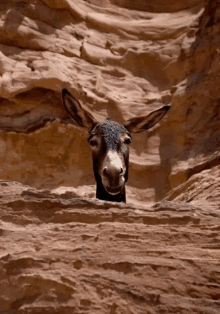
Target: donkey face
x: 109, y: 142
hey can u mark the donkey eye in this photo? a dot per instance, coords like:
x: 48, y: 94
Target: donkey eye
x: 93, y: 143
x: 127, y: 140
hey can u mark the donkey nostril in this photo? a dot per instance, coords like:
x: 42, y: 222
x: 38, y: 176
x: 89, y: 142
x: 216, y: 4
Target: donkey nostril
x: 105, y: 171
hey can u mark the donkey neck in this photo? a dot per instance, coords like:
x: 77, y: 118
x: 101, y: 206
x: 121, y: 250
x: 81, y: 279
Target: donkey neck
x: 102, y: 194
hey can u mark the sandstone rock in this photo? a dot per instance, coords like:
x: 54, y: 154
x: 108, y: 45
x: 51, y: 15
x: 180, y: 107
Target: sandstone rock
x: 63, y: 251
x: 119, y: 63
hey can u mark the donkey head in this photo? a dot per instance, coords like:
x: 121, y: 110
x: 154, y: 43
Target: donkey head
x: 109, y: 142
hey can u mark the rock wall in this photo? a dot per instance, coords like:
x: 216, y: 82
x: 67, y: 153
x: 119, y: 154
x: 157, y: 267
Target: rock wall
x: 61, y: 250
x: 64, y: 254
x: 121, y: 60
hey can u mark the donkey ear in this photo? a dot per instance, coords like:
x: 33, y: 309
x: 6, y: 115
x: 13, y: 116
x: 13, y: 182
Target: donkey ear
x: 140, y: 124
x: 78, y: 114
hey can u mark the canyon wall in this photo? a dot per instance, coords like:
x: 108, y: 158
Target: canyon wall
x: 62, y: 251
x: 120, y: 61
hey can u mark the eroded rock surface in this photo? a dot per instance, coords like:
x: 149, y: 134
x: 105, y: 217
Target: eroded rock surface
x: 61, y: 250
x: 120, y: 59
x: 65, y: 254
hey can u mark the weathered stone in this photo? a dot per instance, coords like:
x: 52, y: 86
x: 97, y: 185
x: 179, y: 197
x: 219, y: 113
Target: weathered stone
x: 63, y: 251
x: 137, y: 61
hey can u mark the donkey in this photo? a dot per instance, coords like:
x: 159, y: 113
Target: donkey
x: 109, y: 142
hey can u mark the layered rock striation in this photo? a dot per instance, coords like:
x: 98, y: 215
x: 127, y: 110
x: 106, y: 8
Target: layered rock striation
x: 64, y: 254
x: 121, y: 61
x: 63, y: 251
